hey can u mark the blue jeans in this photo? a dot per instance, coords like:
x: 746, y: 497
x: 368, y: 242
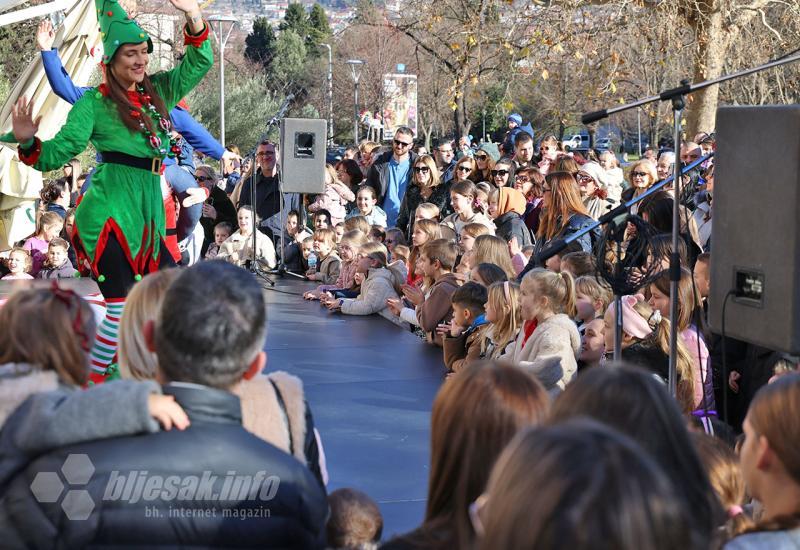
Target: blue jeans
x: 180, y: 180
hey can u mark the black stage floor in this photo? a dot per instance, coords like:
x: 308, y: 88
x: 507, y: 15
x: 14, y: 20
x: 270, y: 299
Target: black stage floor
x: 370, y: 385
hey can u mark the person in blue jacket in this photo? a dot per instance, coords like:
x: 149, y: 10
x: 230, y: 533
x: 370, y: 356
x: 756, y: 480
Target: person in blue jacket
x: 180, y: 175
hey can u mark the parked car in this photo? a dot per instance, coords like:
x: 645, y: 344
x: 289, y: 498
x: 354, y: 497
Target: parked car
x: 577, y: 141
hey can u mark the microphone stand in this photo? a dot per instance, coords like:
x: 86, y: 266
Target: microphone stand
x: 612, y: 218
x: 677, y: 96
x: 253, y: 264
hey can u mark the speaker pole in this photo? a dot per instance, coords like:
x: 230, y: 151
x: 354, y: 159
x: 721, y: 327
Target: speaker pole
x: 678, y: 103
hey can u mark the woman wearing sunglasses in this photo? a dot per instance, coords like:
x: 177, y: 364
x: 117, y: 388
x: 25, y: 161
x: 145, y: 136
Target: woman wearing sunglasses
x: 503, y: 173
x: 641, y: 177
x: 485, y: 159
x: 426, y: 186
x: 465, y: 170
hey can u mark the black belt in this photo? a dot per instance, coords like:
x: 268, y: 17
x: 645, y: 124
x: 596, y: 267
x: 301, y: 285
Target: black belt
x: 152, y: 165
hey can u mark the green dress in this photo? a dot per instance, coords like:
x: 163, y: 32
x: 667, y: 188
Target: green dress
x: 124, y: 200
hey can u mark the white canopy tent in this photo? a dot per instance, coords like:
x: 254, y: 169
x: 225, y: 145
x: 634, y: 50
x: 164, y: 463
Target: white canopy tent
x: 78, y: 41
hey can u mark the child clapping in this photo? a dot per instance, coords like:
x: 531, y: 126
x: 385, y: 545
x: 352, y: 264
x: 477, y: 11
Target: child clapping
x: 461, y: 339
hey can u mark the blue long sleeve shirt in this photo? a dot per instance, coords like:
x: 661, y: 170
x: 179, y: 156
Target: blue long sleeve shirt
x: 192, y: 131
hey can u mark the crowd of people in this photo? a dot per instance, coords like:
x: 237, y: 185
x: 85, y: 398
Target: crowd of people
x: 538, y: 438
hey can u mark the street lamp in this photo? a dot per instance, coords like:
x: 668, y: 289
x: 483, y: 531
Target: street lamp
x: 330, y: 94
x: 222, y: 39
x: 355, y: 68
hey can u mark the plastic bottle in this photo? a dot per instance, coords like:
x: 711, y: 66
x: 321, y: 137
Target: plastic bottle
x: 312, y: 261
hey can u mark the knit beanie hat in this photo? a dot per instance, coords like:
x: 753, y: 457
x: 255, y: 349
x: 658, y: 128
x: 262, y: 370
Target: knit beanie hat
x: 117, y: 28
x: 515, y: 117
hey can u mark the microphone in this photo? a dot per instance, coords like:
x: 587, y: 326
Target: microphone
x: 283, y: 108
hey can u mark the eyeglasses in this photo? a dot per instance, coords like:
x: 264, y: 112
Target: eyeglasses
x: 546, y: 189
x: 583, y: 177
x: 265, y: 154
x: 638, y: 174
x: 499, y: 172
x: 401, y: 144
x: 463, y: 168
x: 445, y: 151
x: 421, y: 169
x: 522, y: 178
x: 481, y: 157
x: 203, y: 178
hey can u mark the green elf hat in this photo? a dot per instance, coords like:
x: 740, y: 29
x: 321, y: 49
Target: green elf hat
x: 117, y: 28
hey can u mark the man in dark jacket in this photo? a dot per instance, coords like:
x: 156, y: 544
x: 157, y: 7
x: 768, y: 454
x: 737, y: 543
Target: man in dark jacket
x: 213, y: 484
x: 390, y: 174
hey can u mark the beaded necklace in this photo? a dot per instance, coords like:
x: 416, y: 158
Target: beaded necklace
x: 164, y: 123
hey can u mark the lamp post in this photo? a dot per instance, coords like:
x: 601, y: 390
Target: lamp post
x: 330, y: 94
x: 222, y: 39
x: 355, y: 69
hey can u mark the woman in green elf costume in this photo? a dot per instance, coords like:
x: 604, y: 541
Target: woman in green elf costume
x: 120, y: 224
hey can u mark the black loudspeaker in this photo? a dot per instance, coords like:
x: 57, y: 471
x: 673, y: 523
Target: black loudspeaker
x: 755, y: 237
x: 303, y: 155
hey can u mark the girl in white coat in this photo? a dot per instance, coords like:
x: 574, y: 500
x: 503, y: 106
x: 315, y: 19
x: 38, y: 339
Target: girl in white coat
x: 551, y: 350
x: 379, y: 283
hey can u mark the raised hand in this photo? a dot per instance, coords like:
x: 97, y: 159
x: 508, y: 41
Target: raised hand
x: 22, y: 121
x: 194, y: 18
x: 45, y: 35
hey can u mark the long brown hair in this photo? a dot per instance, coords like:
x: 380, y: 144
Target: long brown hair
x: 565, y: 200
x: 63, y: 317
x: 590, y: 487
x: 119, y: 95
x: 474, y: 416
x: 773, y: 414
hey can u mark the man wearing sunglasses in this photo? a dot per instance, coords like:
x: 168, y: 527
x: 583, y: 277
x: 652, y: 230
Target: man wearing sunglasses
x: 390, y: 173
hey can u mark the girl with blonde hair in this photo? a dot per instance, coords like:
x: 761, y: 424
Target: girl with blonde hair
x: 504, y: 318
x: 492, y: 250
x: 645, y: 343
x: 135, y: 359
x: 335, y: 197
x: 551, y: 351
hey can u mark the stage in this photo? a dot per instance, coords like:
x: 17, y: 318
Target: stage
x: 370, y: 385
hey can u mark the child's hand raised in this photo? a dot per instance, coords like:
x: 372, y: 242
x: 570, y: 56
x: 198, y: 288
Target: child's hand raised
x: 167, y: 412
x: 453, y: 329
x: 394, y: 305
x: 413, y: 294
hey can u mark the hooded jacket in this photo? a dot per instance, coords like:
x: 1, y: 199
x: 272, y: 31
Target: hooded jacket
x: 551, y: 352
x: 437, y: 307
x: 380, y: 285
x: 511, y: 205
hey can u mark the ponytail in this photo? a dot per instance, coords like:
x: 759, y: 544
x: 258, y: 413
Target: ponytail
x: 569, y: 295
x: 559, y: 288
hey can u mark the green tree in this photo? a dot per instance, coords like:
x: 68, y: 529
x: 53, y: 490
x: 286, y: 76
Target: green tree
x: 288, y: 67
x: 260, y: 44
x: 319, y: 30
x: 249, y: 103
x: 295, y: 19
